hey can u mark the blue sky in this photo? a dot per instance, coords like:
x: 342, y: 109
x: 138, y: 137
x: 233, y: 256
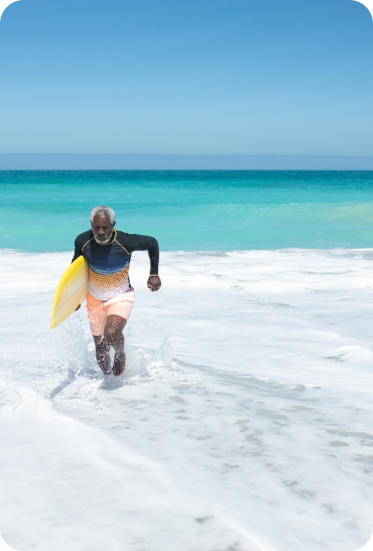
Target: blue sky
x: 197, y: 77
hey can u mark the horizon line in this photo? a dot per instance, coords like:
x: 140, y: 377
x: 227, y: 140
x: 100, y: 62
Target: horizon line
x: 297, y: 155
x: 182, y: 161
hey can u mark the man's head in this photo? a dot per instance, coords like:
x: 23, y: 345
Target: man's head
x: 102, y: 223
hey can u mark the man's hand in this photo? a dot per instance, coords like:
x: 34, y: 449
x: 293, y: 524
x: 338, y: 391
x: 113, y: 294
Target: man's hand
x: 154, y: 283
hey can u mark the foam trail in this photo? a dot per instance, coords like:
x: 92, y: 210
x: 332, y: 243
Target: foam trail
x: 77, y: 476
x: 245, y: 408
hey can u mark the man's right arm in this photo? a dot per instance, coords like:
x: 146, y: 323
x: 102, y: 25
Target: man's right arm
x: 79, y: 244
x: 78, y: 249
x: 77, y: 253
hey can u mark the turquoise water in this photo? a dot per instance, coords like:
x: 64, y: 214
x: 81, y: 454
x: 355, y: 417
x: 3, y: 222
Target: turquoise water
x: 191, y: 210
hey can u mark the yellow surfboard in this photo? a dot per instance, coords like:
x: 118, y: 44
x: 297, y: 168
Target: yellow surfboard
x: 71, y: 291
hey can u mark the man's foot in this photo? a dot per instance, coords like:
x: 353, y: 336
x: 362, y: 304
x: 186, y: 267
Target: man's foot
x: 119, y: 364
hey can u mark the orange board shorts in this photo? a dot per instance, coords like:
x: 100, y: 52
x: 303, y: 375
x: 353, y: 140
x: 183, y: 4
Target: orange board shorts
x: 98, y: 310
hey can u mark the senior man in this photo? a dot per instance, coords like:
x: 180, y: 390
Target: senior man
x: 110, y: 296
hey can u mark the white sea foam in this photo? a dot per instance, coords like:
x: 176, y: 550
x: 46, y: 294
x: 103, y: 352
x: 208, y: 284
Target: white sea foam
x: 244, y: 421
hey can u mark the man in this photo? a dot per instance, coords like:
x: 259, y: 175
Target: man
x: 110, y: 296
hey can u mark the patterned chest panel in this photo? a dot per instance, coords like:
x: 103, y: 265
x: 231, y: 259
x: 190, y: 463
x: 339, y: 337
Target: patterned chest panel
x: 108, y: 269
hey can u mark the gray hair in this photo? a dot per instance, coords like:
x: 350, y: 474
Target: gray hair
x: 103, y: 211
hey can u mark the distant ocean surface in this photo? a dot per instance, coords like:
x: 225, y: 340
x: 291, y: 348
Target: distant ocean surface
x: 191, y: 210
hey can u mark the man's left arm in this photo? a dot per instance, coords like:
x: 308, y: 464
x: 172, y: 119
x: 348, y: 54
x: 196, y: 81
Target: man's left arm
x: 134, y: 242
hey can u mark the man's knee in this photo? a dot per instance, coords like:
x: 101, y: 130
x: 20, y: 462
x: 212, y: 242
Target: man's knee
x: 113, y: 329
x: 110, y: 334
x: 113, y: 334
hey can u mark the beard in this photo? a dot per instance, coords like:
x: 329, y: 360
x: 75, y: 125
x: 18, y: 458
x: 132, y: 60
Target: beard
x: 102, y: 241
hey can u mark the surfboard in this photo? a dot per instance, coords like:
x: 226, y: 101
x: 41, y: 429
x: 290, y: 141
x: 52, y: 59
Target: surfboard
x: 71, y: 291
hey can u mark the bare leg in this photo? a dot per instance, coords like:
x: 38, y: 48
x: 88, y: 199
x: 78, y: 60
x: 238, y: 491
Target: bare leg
x: 113, y: 335
x: 102, y: 354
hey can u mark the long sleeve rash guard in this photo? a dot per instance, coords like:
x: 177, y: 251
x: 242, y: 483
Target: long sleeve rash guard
x: 108, y: 264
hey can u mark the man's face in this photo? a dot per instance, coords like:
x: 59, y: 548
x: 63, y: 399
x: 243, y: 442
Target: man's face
x: 102, y: 229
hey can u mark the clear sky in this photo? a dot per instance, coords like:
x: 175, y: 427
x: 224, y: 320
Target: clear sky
x: 187, y: 77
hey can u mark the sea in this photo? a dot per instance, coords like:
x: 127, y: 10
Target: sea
x: 244, y: 419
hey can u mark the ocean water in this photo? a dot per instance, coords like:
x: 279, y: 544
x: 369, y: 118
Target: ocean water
x: 244, y: 420
x: 208, y: 210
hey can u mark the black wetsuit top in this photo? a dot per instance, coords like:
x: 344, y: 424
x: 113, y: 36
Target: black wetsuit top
x: 108, y: 263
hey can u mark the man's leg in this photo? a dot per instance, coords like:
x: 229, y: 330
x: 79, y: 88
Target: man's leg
x: 97, y: 318
x: 102, y: 354
x: 113, y: 335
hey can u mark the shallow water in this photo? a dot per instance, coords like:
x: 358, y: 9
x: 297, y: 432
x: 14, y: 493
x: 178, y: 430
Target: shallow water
x: 243, y: 421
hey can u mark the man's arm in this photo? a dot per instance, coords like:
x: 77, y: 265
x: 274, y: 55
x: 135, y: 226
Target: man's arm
x: 77, y: 253
x: 78, y: 249
x: 80, y: 242
x: 133, y: 242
